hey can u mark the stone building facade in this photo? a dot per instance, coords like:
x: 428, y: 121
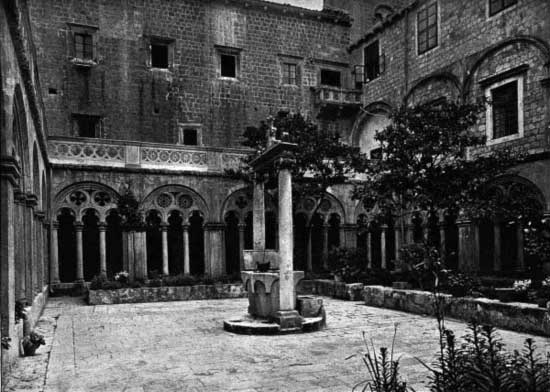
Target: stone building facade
x: 153, y: 96
x: 463, y: 51
x: 24, y: 178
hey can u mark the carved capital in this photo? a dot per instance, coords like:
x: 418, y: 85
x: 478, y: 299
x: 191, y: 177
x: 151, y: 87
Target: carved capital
x: 79, y: 226
x: 102, y: 226
x: 31, y: 200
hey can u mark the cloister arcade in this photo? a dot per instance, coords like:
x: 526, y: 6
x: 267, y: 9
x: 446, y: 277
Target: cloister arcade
x: 87, y: 238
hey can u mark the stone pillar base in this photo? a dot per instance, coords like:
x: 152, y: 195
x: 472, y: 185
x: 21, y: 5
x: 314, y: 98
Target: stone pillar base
x: 288, y: 320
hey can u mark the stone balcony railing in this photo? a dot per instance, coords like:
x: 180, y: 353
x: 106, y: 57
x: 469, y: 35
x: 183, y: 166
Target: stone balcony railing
x: 337, y: 96
x: 127, y: 154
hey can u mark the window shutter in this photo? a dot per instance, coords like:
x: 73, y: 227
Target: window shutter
x: 382, y: 64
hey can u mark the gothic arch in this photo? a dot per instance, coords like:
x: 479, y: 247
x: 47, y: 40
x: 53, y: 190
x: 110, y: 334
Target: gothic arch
x: 169, y: 198
x: 329, y: 205
x: 240, y: 202
x: 448, y: 77
x: 369, y: 114
x: 505, y: 186
x: 84, y: 196
x: 537, y: 42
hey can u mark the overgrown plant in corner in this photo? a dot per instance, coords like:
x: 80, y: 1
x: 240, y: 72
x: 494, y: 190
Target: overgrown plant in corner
x: 31, y: 342
x: 382, y: 368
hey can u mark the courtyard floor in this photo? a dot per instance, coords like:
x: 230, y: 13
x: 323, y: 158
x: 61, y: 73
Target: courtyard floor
x: 181, y: 346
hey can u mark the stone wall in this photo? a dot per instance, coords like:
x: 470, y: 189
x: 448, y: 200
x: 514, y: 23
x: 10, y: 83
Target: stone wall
x: 514, y: 316
x: 330, y: 288
x: 138, y: 102
x: 162, y: 294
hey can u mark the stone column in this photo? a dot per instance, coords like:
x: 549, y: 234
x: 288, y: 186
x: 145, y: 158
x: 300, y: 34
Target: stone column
x: 258, y: 213
x: 442, y: 241
x: 325, y: 245
x: 30, y: 245
x: 468, y: 256
x: 164, y: 228
x: 519, y: 240
x: 102, y: 249
x: 383, y: 262
x: 397, y: 233
x: 54, y: 254
x: 242, y: 228
x: 369, y: 249
x: 309, y: 261
x: 497, y: 260
x: 286, y: 277
x: 409, y: 230
x: 20, y: 244
x: 9, y: 175
x: 41, y: 249
x: 79, y: 252
x: 215, y: 260
x: 186, y: 265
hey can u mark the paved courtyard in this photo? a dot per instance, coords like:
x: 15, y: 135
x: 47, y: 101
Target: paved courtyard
x: 181, y: 346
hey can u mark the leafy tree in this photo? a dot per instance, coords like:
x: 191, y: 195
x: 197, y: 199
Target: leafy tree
x: 428, y: 163
x: 320, y: 160
x: 128, y: 209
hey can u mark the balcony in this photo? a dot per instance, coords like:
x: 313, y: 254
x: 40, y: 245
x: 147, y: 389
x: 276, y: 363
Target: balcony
x: 86, y: 152
x: 333, y: 101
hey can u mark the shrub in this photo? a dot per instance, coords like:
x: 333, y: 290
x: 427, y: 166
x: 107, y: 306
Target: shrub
x: 377, y: 276
x: 458, y: 284
x: 347, y: 263
x: 20, y: 305
x: 122, y: 277
x: 179, y: 280
x: 97, y: 282
x: 419, y: 264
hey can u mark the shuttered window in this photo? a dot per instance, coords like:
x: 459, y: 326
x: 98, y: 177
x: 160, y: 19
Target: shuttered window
x: 505, y: 110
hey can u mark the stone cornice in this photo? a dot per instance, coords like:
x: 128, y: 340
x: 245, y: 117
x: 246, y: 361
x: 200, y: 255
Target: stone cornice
x: 9, y: 169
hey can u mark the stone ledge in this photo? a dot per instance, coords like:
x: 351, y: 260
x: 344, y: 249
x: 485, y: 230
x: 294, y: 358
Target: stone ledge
x: 330, y: 288
x: 163, y: 294
x: 512, y: 316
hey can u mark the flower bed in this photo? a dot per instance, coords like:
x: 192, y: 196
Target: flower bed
x: 165, y: 293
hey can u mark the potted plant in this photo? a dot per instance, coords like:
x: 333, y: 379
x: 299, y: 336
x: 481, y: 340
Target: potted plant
x: 31, y: 342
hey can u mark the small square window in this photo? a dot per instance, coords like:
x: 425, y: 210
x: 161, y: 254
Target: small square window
x: 159, y: 55
x: 289, y: 74
x: 228, y: 65
x: 83, y: 46
x: 85, y: 126
x: 330, y: 77
x: 495, y: 6
x: 426, y: 27
x: 190, y: 137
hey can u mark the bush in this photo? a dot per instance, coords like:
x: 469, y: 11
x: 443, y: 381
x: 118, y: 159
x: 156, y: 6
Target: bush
x: 481, y: 363
x: 458, y: 284
x: 419, y: 264
x: 179, y: 280
x: 377, y: 276
x: 347, y: 263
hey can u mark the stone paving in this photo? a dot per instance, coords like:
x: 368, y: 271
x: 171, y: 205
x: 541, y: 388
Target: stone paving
x: 181, y: 346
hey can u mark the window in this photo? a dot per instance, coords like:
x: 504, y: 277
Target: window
x: 85, y: 125
x: 289, y: 74
x: 159, y: 55
x: 190, y: 137
x: 189, y: 134
x: 373, y: 61
x: 330, y: 77
x: 228, y: 65
x: 505, y: 110
x: 426, y: 26
x: 83, y: 46
x: 495, y: 6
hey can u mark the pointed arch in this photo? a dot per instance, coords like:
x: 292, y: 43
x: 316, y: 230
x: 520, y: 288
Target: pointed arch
x: 85, y: 195
x: 181, y: 198
x: 20, y: 136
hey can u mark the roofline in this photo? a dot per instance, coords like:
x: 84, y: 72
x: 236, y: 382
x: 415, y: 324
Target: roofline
x: 379, y: 27
x: 334, y: 16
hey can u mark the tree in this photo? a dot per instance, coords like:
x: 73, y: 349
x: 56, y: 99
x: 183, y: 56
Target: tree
x: 429, y: 163
x: 321, y: 159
